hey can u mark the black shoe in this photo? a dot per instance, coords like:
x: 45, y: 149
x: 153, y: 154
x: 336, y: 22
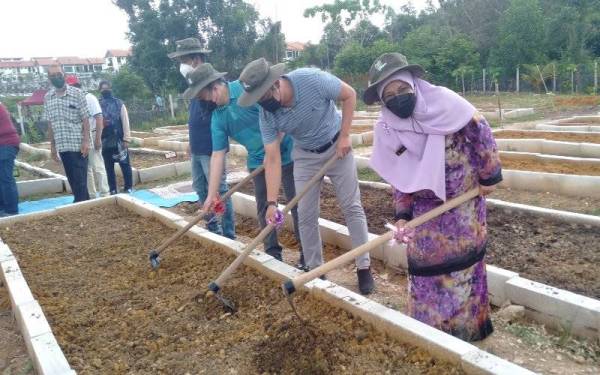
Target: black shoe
x: 323, y: 277
x: 275, y: 254
x: 366, y: 285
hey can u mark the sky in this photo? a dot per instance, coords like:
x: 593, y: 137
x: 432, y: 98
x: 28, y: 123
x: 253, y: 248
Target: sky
x: 87, y: 28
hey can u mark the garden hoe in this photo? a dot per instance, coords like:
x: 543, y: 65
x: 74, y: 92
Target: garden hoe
x: 154, y: 254
x: 290, y: 286
x: 215, y: 286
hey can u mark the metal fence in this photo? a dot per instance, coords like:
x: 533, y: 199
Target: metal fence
x: 147, y: 114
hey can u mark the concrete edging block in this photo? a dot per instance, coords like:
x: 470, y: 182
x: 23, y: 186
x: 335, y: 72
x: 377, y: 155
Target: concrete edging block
x: 140, y: 207
x: 183, y: 168
x: 158, y: 172
x: 496, y: 281
x: 26, y: 217
x: 572, y: 309
x: 31, y: 320
x: 5, y: 253
x: 480, y: 362
x: 48, y: 358
x: 80, y: 206
x: 16, y: 285
x: 41, y: 186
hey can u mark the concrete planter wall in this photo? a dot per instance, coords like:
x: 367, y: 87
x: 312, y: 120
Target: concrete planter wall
x: 568, y: 128
x: 580, y: 150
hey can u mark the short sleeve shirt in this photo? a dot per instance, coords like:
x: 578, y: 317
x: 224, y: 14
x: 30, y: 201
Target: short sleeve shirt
x: 312, y: 120
x: 241, y: 124
x: 66, y: 114
x: 93, y: 108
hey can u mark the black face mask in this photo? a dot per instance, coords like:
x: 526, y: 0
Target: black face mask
x: 58, y: 82
x: 106, y: 93
x: 402, y: 105
x: 270, y: 104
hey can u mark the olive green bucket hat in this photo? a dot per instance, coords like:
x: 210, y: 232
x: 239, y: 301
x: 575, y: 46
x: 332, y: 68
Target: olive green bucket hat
x: 199, y: 78
x: 256, y: 78
x: 187, y: 46
x: 386, y: 65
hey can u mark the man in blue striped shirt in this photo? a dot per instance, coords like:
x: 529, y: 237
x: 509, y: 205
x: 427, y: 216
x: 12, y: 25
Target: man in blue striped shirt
x: 302, y: 104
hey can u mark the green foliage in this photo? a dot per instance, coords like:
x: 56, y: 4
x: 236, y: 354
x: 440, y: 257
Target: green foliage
x: 520, y: 36
x: 441, y: 51
x: 271, y: 43
x: 356, y: 59
x: 127, y: 85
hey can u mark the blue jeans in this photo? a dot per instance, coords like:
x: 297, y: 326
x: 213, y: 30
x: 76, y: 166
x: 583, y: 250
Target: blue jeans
x: 9, y: 196
x: 200, y: 178
x: 76, y: 170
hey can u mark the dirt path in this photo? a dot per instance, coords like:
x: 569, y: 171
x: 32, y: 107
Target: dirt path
x: 554, y: 166
x: 112, y: 314
x: 554, y: 136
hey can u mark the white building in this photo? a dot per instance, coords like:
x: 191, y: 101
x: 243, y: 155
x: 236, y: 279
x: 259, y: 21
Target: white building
x: 293, y: 50
x: 116, y: 58
x: 16, y: 68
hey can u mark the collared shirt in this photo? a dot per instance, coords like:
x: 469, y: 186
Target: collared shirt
x: 241, y: 124
x: 199, y: 128
x: 313, y: 119
x: 66, y: 114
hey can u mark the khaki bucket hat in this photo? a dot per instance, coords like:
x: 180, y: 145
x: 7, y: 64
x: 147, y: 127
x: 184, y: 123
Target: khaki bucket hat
x: 256, y: 78
x: 386, y: 65
x: 187, y: 46
x: 199, y: 78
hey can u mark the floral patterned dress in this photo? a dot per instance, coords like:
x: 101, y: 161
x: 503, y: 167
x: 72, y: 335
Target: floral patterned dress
x: 447, y: 277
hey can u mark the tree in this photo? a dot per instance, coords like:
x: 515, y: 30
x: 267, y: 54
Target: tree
x: 356, y: 59
x: 127, y: 85
x: 400, y: 24
x: 271, y: 42
x: 365, y: 33
x: 520, y: 36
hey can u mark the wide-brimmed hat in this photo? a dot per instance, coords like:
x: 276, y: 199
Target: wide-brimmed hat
x: 199, y: 78
x: 256, y: 78
x: 187, y: 46
x: 386, y: 65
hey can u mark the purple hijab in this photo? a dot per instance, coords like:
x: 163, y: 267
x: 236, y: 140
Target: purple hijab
x: 438, y: 112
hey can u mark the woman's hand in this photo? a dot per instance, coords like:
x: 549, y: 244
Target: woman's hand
x: 403, y: 233
x: 485, y: 190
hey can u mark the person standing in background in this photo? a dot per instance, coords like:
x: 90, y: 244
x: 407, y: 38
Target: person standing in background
x: 115, y: 138
x: 66, y: 111
x: 9, y: 147
x: 96, y: 173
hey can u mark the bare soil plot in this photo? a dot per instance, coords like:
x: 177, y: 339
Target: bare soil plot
x: 553, y: 136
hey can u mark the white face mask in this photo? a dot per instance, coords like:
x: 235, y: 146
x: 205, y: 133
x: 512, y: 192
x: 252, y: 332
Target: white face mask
x: 185, y: 69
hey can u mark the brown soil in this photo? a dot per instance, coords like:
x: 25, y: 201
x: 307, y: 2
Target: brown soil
x: 141, y: 160
x: 558, y: 136
x: 358, y: 129
x: 584, y: 205
x: 49, y: 164
x: 543, y: 250
x: 144, y: 135
x: 112, y: 314
x: 554, y: 166
x: 13, y: 354
x: 542, y: 352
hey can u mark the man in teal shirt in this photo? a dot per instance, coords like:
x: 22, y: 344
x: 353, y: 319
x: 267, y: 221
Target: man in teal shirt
x: 242, y: 125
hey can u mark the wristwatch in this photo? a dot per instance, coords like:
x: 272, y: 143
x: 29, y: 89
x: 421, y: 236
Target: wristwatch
x: 271, y: 203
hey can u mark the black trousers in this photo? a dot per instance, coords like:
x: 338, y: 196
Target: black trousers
x: 76, y: 169
x: 109, y: 165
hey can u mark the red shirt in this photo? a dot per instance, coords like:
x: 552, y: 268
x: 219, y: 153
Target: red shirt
x: 8, y: 133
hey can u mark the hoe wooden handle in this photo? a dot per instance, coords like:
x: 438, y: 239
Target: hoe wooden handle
x: 201, y: 214
x: 224, y: 276
x: 291, y: 285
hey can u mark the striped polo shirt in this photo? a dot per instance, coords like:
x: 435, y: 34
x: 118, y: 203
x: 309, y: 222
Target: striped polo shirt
x: 313, y: 119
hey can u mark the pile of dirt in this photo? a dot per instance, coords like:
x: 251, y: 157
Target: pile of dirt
x: 143, y: 160
x: 553, y: 136
x: 112, y: 314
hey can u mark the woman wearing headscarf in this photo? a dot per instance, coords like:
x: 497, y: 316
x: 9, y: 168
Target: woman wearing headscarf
x: 432, y: 145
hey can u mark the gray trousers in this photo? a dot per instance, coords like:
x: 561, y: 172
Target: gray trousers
x: 344, y: 177
x: 271, y: 243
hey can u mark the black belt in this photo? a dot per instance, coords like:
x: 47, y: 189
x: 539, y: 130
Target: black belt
x: 326, y: 146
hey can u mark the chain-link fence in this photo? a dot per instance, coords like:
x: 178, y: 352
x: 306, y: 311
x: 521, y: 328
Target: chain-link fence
x: 151, y: 113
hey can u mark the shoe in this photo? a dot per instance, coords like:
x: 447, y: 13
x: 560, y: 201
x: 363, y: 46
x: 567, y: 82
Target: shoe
x: 276, y: 253
x: 323, y: 277
x: 301, y: 265
x: 366, y: 285
x: 127, y: 191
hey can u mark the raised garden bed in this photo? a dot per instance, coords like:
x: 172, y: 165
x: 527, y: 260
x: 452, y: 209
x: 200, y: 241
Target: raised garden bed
x: 542, y: 250
x: 111, y: 314
x: 550, y: 166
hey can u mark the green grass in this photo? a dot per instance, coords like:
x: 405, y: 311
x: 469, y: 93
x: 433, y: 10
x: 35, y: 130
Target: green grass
x: 367, y: 174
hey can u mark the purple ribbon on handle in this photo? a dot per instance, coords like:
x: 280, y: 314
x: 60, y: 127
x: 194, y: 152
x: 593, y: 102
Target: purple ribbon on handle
x: 278, y: 220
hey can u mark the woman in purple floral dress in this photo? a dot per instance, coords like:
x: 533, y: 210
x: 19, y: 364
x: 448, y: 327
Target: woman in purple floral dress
x: 432, y: 145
